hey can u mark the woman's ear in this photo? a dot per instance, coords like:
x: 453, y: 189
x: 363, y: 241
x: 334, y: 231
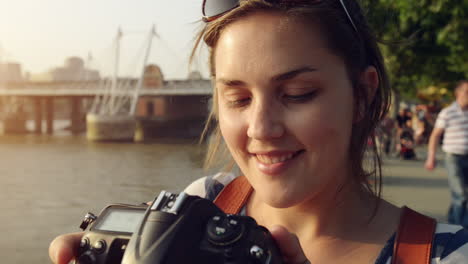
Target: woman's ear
x: 369, y: 80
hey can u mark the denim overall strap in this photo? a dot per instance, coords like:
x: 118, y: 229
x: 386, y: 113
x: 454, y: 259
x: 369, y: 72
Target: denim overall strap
x: 413, y: 244
x: 234, y: 195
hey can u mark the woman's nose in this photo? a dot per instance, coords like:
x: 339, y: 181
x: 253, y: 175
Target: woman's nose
x: 265, y: 123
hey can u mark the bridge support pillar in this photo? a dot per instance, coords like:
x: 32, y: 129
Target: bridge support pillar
x: 75, y: 114
x: 49, y: 105
x: 38, y: 115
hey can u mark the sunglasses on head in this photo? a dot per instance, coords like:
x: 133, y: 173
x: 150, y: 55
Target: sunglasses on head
x: 213, y: 9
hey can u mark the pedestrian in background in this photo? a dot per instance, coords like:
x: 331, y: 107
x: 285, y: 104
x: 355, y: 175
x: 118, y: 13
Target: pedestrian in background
x: 401, y: 119
x: 407, y: 141
x: 403, y: 115
x: 385, y: 135
x: 453, y: 123
x: 422, y: 132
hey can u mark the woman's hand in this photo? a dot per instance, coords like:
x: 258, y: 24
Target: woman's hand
x: 64, y: 248
x: 289, y: 246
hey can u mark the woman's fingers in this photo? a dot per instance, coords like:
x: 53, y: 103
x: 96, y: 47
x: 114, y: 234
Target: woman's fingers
x: 289, y: 246
x: 64, y: 248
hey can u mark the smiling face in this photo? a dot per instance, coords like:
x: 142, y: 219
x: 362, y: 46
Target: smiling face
x: 285, y: 106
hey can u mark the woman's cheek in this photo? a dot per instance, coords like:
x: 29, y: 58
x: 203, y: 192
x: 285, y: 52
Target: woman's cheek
x: 320, y: 129
x: 233, y: 127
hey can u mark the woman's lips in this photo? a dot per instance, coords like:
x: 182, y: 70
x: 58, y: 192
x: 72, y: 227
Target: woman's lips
x: 276, y: 163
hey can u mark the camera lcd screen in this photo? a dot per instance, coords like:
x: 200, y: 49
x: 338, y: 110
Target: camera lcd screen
x: 120, y: 220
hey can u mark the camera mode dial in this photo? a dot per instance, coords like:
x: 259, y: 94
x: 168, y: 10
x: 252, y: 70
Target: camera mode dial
x: 224, y: 230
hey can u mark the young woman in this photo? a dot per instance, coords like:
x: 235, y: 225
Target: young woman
x: 299, y: 87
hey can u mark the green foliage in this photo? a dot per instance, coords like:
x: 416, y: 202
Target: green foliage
x: 424, y: 40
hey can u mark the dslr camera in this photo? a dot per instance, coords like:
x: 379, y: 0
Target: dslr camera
x: 174, y: 229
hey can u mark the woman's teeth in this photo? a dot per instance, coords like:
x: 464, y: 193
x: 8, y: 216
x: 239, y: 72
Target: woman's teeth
x: 274, y: 159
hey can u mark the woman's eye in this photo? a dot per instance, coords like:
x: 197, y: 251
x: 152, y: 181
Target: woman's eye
x: 238, y: 102
x: 300, y: 97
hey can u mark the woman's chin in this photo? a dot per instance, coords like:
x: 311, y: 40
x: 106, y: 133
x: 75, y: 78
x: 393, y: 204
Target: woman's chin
x: 279, y: 201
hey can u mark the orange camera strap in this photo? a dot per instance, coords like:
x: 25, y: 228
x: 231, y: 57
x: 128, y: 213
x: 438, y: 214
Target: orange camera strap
x: 234, y: 195
x: 413, y: 243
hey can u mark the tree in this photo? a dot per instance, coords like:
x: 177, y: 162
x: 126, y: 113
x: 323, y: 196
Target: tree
x: 425, y: 39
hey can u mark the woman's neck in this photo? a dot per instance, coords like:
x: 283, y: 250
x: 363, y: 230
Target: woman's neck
x: 344, y: 221
x: 325, y: 214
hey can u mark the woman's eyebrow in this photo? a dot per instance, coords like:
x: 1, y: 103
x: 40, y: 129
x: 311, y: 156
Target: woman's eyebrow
x: 279, y: 77
x: 291, y: 74
x: 228, y: 82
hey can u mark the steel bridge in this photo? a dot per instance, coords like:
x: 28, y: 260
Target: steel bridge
x: 42, y: 96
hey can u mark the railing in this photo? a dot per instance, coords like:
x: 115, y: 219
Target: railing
x: 63, y: 92
x: 191, y: 87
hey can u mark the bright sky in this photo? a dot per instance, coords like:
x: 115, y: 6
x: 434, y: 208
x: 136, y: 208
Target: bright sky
x: 40, y: 34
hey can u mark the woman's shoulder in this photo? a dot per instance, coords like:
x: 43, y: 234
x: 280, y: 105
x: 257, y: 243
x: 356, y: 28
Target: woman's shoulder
x: 450, y: 244
x: 210, y: 186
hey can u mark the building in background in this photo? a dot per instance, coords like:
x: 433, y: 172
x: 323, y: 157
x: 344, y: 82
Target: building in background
x: 73, y: 70
x: 195, y: 75
x: 153, y: 77
x: 11, y: 72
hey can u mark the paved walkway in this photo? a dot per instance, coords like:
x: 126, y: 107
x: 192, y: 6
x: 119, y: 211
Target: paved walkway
x: 407, y: 182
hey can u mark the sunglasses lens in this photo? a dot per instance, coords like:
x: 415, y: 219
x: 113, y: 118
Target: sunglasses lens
x: 216, y: 7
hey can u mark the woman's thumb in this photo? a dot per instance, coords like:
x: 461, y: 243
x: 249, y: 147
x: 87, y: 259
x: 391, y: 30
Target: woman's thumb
x: 64, y: 248
x: 289, y: 245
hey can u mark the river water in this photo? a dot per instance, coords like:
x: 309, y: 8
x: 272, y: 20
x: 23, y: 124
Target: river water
x: 48, y: 183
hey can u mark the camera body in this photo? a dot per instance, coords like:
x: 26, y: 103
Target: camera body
x: 178, y: 229
x: 108, y: 236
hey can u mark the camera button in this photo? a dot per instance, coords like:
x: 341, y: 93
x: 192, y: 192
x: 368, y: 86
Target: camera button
x: 84, y: 243
x: 257, y: 252
x: 233, y: 222
x: 220, y: 231
x: 100, y: 246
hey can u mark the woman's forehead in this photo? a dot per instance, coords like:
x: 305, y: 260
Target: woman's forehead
x: 272, y: 24
x: 271, y: 44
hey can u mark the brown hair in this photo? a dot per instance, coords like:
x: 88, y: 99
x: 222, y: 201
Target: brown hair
x: 358, y: 48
